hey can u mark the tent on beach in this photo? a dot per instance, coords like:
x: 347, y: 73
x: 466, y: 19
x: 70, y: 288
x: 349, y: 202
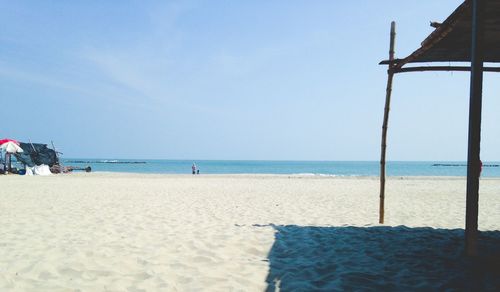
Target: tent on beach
x: 36, y: 154
x: 470, y: 34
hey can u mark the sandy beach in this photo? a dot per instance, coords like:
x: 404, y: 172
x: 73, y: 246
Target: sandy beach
x: 138, y: 232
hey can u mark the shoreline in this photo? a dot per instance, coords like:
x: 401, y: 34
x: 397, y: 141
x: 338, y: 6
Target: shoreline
x: 271, y: 175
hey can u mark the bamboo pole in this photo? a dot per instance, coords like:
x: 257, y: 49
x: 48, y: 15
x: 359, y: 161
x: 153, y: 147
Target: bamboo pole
x: 475, y: 105
x: 390, y: 75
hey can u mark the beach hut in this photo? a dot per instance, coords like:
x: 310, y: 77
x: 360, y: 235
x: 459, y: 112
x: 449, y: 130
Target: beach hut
x: 470, y: 34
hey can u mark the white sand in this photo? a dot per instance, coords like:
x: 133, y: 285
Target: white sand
x: 130, y: 232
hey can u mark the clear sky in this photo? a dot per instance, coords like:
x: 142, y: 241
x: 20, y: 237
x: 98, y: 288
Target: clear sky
x: 293, y: 80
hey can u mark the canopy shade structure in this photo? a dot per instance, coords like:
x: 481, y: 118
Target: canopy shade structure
x: 2, y: 141
x: 11, y: 147
x: 451, y: 40
x: 470, y: 34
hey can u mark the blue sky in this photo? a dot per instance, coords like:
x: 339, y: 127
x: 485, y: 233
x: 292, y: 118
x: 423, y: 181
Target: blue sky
x: 294, y: 80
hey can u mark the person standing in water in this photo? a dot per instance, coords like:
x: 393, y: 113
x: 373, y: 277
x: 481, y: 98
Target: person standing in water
x: 193, y: 168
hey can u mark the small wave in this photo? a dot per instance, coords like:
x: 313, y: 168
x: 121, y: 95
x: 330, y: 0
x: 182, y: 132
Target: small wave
x: 316, y: 174
x: 328, y: 175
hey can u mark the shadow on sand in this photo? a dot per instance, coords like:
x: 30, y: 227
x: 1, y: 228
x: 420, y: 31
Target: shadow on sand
x: 380, y: 259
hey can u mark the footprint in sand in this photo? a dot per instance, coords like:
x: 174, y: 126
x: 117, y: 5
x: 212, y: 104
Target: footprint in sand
x: 70, y: 272
x: 46, y: 276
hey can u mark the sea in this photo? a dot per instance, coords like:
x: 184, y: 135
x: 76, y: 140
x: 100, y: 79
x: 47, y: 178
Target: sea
x: 312, y: 168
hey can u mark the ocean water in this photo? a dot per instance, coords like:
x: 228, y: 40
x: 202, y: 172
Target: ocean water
x: 332, y: 168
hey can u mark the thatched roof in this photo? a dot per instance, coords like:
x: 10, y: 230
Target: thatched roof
x: 451, y: 40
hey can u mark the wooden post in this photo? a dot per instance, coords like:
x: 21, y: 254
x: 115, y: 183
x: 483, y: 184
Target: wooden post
x: 58, y: 162
x: 475, y: 105
x: 390, y: 75
x: 8, y: 162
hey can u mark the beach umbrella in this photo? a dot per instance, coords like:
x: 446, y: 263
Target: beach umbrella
x: 2, y: 141
x: 11, y: 147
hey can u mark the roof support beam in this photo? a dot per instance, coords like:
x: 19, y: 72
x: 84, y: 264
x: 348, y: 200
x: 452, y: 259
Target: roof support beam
x: 443, y: 68
x: 475, y: 106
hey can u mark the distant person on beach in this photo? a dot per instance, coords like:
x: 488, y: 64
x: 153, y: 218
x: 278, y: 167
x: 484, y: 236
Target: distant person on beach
x: 197, y: 171
x: 193, y: 168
